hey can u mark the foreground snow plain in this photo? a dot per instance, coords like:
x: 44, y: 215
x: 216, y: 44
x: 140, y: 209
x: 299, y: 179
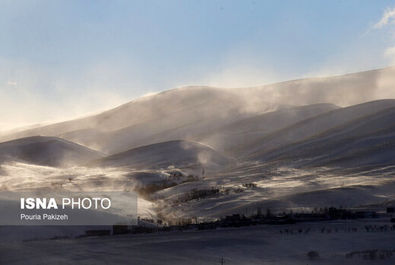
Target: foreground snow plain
x: 336, y: 242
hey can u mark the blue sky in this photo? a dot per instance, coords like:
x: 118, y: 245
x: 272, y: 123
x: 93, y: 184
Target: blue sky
x: 61, y: 59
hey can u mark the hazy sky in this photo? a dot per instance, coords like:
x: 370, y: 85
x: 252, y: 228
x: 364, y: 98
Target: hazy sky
x: 61, y: 59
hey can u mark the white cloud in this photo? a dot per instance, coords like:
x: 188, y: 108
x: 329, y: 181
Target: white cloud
x: 387, y: 18
x: 11, y: 83
x: 390, y: 51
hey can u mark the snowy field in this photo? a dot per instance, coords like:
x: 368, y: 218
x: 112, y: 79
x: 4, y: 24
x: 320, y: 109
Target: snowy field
x: 243, y: 188
x: 251, y: 186
x: 337, y: 242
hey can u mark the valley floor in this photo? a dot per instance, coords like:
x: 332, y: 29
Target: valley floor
x: 336, y: 242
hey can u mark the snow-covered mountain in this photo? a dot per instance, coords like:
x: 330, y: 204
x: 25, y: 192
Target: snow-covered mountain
x: 189, y: 113
x: 234, y: 136
x: 170, y: 115
x: 315, y: 126
x: 210, y: 152
x: 180, y: 154
x: 361, y: 142
x: 47, y: 151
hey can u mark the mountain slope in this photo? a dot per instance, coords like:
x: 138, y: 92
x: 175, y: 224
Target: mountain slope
x: 342, y: 90
x: 187, y: 113
x: 311, y: 127
x: 364, y: 141
x: 144, y: 120
x: 231, y: 137
x: 165, y: 154
x: 46, y: 151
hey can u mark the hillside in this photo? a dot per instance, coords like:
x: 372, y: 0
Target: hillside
x: 367, y: 141
x: 148, y: 119
x: 313, y: 127
x: 231, y: 137
x: 46, y: 151
x: 342, y: 90
x: 187, y: 113
x: 181, y: 154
